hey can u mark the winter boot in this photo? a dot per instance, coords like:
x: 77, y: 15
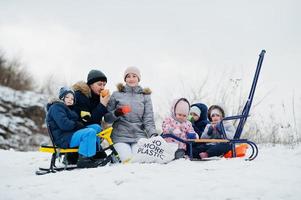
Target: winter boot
x: 100, y: 155
x: 180, y: 153
x: 89, y: 162
x: 71, y: 158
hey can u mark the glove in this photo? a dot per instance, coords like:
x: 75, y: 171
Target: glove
x: 86, y: 116
x: 191, y: 135
x: 79, y: 125
x: 122, y: 111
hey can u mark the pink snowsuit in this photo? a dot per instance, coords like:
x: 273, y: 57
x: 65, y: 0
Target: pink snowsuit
x: 180, y: 129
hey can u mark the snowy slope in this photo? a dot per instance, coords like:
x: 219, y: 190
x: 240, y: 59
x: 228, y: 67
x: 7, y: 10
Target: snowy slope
x: 275, y: 174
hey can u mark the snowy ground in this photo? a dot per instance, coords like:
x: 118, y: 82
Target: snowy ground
x: 274, y: 174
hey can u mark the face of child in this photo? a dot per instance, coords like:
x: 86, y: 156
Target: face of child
x: 216, y: 118
x: 131, y: 80
x: 194, y: 116
x: 69, y: 99
x: 98, y: 86
x: 181, y: 117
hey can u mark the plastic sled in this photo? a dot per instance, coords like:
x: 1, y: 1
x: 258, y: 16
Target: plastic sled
x: 58, y: 153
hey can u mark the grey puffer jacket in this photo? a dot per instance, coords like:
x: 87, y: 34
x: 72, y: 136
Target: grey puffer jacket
x: 139, y: 123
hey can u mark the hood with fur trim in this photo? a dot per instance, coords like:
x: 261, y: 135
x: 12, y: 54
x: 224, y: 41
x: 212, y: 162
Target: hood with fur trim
x: 138, y: 89
x: 52, y: 101
x: 83, y: 88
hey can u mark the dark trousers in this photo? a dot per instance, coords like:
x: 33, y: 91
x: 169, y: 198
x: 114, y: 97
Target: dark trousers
x: 218, y: 149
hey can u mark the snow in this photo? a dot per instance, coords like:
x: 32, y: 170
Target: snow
x: 274, y: 174
x: 22, y: 98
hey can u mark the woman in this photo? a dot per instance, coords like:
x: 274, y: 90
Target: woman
x: 128, y: 128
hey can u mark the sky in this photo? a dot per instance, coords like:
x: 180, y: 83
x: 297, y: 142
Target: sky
x: 176, y: 44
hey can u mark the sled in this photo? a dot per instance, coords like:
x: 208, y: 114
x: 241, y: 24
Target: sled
x: 58, y: 153
x: 240, y: 150
x: 236, y: 141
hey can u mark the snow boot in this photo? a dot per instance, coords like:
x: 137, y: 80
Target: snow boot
x: 89, y: 162
x: 100, y: 155
x: 71, y: 158
x: 180, y: 153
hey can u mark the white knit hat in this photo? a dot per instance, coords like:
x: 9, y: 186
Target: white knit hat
x: 196, y: 110
x: 133, y: 70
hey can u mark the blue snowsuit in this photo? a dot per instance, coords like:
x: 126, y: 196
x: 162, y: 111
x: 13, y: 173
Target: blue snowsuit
x: 64, y: 126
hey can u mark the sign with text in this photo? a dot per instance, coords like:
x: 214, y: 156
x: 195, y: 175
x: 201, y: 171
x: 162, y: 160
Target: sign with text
x: 154, y: 150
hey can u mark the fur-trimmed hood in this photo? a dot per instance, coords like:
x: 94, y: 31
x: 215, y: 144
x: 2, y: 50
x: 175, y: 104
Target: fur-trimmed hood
x: 83, y: 88
x: 52, y: 101
x: 138, y: 89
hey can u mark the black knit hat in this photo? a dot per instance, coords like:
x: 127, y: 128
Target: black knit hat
x: 95, y: 75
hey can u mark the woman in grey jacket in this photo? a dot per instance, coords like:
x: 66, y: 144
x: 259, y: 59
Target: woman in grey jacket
x: 128, y: 128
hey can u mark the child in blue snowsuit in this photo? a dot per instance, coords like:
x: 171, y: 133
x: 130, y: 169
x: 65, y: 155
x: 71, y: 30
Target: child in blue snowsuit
x: 68, y: 131
x: 199, y: 119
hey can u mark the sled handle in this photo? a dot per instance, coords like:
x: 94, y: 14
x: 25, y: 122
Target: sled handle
x: 262, y: 52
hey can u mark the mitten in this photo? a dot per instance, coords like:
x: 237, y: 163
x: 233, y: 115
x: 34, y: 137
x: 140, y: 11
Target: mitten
x: 86, y: 116
x: 191, y: 135
x: 122, y: 111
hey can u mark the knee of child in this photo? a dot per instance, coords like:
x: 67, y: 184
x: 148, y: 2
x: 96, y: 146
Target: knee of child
x: 96, y: 127
x: 89, y: 133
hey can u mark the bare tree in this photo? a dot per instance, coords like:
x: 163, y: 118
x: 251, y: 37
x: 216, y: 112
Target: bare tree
x: 14, y: 75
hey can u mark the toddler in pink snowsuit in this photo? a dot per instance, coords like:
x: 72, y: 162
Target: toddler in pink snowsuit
x: 178, y: 123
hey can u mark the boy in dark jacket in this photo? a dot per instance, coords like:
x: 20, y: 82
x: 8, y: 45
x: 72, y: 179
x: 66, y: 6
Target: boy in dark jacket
x: 68, y: 131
